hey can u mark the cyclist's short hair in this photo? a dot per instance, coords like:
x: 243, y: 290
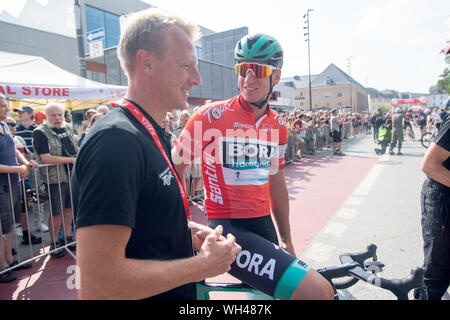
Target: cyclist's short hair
x: 147, y: 30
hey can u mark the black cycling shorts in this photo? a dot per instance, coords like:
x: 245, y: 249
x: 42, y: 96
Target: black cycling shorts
x: 262, y: 264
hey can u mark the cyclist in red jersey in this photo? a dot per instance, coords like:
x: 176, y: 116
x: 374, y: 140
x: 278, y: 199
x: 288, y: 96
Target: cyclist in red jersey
x: 242, y: 143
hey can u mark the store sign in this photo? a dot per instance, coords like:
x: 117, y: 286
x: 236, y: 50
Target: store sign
x: 21, y: 91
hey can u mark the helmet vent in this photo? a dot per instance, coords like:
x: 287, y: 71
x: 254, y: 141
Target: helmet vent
x: 264, y: 56
x: 266, y: 45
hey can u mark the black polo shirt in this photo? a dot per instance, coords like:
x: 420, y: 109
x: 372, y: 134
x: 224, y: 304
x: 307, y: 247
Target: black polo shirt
x: 121, y: 178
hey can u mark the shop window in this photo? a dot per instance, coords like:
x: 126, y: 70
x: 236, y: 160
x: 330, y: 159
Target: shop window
x: 96, y: 18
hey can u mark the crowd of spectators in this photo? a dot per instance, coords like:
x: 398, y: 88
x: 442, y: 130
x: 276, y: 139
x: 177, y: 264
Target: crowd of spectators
x: 52, y: 141
x: 309, y: 132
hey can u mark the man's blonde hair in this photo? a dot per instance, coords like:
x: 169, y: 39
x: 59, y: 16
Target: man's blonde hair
x: 147, y: 30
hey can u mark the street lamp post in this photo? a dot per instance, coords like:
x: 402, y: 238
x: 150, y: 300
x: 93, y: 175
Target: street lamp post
x: 306, y: 16
x: 80, y: 39
x: 349, y: 67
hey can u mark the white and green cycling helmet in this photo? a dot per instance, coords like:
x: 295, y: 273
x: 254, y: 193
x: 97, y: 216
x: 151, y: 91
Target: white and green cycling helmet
x: 261, y: 48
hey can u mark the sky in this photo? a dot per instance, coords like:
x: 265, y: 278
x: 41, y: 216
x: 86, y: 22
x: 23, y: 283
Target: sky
x: 391, y: 44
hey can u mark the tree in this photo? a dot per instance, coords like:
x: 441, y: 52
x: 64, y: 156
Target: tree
x: 444, y: 82
x: 385, y: 108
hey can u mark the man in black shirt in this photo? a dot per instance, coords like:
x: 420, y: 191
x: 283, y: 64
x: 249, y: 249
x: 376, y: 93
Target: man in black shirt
x: 133, y: 240
x: 435, y: 201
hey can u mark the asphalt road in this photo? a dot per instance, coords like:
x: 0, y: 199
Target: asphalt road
x: 384, y: 210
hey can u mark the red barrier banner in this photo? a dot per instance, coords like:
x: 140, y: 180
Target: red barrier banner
x: 422, y: 101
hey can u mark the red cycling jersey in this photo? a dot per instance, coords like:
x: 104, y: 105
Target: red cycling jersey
x: 238, y: 156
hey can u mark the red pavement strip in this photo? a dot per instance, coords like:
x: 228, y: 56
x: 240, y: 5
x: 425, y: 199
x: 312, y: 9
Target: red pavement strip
x: 46, y: 280
x: 317, y: 189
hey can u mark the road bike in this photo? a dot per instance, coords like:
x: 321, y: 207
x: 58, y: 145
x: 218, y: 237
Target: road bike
x: 354, y: 268
x: 428, y: 137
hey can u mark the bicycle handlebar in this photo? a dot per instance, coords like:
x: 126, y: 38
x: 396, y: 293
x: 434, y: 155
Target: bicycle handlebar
x: 401, y: 287
x: 371, y: 252
x: 355, y: 265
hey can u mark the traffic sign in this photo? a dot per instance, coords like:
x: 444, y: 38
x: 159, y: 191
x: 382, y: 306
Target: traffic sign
x: 95, y: 35
x: 96, y: 48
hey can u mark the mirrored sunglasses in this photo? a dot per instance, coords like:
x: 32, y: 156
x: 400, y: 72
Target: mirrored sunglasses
x: 259, y: 70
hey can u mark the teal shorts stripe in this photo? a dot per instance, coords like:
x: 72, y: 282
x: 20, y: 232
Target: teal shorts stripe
x: 290, y: 279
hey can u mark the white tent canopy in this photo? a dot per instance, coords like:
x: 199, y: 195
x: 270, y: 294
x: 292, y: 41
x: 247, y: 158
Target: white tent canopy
x: 32, y: 77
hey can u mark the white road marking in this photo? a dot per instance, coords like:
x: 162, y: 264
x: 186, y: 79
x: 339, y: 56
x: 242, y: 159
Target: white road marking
x: 353, y: 200
x: 366, y: 185
x: 319, y: 252
x: 336, y: 229
x: 346, y: 213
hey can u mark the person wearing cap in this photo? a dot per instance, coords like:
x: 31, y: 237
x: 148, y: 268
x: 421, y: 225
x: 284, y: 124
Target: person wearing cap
x: 397, y: 131
x: 25, y: 130
x: 27, y: 125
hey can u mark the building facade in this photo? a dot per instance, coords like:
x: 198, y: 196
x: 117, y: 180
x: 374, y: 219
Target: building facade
x: 51, y: 37
x: 283, y: 98
x: 437, y: 100
x: 332, y: 88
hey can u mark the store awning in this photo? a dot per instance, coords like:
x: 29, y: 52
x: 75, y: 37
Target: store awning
x: 35, y: 81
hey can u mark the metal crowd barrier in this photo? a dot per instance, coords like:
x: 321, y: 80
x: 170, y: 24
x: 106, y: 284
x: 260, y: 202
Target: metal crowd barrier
x: 321, y: 139
x: 26, y: 253
x: 31, y: 252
